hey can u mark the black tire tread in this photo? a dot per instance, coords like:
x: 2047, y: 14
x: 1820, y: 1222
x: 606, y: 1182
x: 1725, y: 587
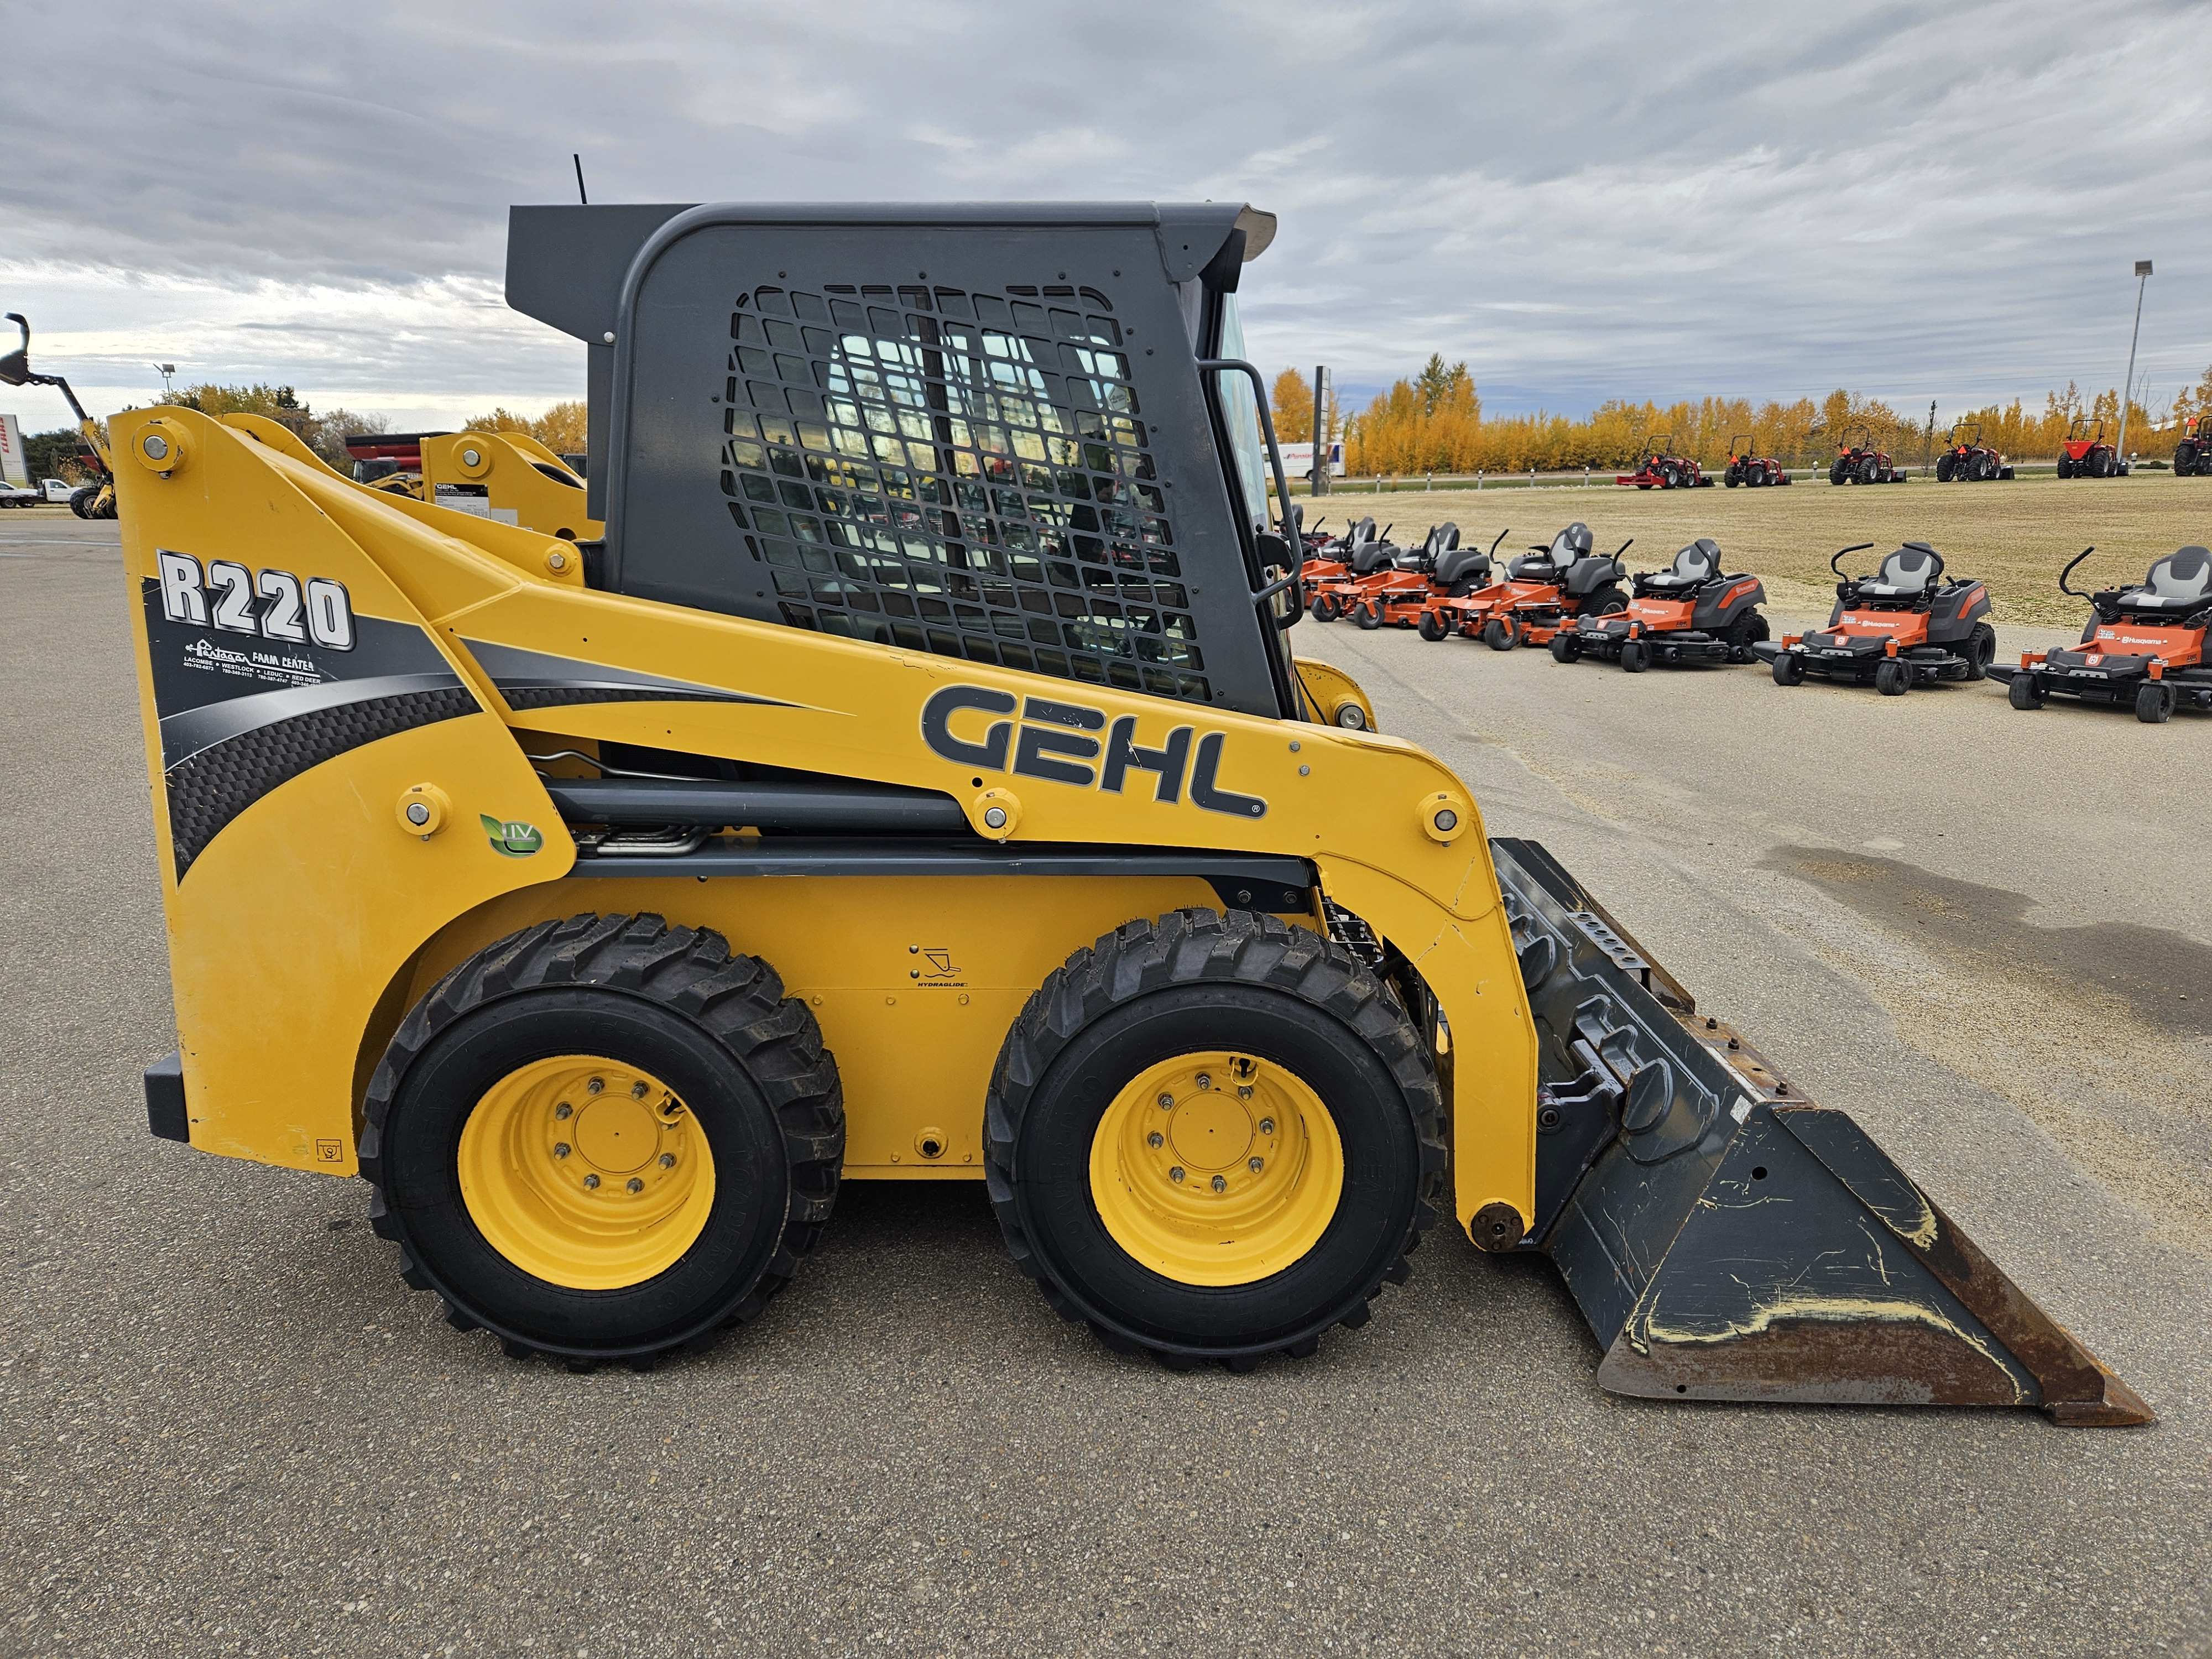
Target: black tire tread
x: 737, y: 1000
x: 1188, y: 947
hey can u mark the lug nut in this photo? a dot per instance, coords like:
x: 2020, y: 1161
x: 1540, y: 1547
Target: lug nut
x: 1255, y: 1164
x: 1220, y: 1183
x: 561, y: 1148
x: 635, y: 1185
x: 1155, y: 1140
x: 595, y: 1085
x: 1167, y: 1103
x: 591, y: 1182
x: 1266, y: 1125
x: 668, y: 1160
x: 563, y: 1111
x: 637, y: 1091
x: 1175, y: 1174
x: 1205, y: 1081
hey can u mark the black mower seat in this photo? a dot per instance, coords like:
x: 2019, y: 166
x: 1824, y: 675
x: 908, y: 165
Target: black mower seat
x: 1905, y: 574
x: 1694, y: 566
x: 1532, y: 567
x: 2179, y: 582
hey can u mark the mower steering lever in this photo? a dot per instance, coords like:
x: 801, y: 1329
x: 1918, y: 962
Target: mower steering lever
x: 1856, y: 547
x: 2075, y: 591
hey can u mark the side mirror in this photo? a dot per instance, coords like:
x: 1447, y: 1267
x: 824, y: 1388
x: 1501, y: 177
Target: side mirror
x: 15, y: 367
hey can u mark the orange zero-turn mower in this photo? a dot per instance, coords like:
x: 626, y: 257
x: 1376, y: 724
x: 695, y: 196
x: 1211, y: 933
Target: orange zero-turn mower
x: 1541, y: 586
x: 1331, y: 589
x: 1439, y: 565
x: 2145, y: 643
x: 1905, y: 625
x: 1689, y: 612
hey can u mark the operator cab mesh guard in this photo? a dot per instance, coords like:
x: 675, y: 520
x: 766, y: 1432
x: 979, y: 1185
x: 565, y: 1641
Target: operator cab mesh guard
x: 958, y: 430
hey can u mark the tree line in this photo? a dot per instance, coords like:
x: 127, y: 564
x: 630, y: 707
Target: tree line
x: 1432, y: 422
x: 54, y: 455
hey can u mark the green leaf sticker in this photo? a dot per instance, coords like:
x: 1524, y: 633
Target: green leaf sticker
x: 514, y: 838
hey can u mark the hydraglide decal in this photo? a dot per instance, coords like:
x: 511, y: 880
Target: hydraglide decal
x: 533, y: 679
x: 260, y: 675
x: 1053, y: 739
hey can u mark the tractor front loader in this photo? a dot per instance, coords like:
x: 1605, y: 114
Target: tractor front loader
x: 919, y: 785
x: 95, y: 500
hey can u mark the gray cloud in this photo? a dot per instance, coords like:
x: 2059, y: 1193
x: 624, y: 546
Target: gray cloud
x: 1580, y: 200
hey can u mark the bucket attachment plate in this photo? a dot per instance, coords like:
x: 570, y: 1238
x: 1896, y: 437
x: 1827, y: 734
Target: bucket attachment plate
x: 1727, y: 1239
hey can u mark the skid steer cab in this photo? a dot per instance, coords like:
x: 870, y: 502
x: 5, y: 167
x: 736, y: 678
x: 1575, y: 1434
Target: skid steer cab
x: 918, y: 784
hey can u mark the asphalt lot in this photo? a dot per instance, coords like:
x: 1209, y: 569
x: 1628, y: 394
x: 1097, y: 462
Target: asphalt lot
x: 234, y: 1431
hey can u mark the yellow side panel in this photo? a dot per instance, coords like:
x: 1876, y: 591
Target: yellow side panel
x: 915, y: 981
x: 304, y: 894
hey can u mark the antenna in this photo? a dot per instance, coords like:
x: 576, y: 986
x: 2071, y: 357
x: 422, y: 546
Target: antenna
x: 577, y: 157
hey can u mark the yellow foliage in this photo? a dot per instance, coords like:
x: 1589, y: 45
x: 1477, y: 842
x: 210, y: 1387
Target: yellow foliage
x: 560, y: 428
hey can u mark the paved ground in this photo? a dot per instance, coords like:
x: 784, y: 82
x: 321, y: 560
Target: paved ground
x: 234, y: 1431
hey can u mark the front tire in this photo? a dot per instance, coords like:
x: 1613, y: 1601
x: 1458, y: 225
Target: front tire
x: 1432, y: 627
x: 1635, y: 656
x: 1368, y: 613
x: 2155, y: 701
x: 2021, y: 693
x: 616, y: 1222
x: 1788, y: 668
x: 1565, y: 647
x: 1324, y: 609
x: 1501, y: 632
x: 1301, y: 1114
x: 1892, y: 678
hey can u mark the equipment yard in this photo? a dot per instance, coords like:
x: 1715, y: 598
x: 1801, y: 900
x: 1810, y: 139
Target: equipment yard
x: 1984, y: 934
x: 2014, y: 536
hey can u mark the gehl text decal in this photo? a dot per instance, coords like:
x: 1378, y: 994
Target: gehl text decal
x: 225, y: 600
x: 1054, y: 740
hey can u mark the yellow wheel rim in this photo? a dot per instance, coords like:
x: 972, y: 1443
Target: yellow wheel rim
x: 1217, y: 1167
x: 585, y: 1172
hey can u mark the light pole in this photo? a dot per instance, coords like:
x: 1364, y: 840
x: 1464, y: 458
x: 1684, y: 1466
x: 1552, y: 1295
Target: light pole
x: 165, y: 370
x: 1321, y: 432
x: 2142, y: 282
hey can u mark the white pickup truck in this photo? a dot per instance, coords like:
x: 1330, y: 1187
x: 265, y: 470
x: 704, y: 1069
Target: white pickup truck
x: 49, y: 490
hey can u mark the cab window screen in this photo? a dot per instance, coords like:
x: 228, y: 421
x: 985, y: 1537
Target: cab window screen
x: 962, y: 473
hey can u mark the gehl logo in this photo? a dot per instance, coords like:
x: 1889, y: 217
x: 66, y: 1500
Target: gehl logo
x: 269, y: 604
x: 1054, y: 743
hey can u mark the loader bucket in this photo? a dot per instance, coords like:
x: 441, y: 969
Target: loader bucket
x: 1726, y: 1238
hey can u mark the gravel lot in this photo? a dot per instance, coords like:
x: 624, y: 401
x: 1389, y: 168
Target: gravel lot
x: 234, y: 1431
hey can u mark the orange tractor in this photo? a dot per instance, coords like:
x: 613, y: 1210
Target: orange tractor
x: 1750, y: 470
x: 2192, y: 456
x: 1542, y: 589
x: 2088, y: 452
x: 1966, y: 459
x: 1858, y: 461
x: 1656, y: 469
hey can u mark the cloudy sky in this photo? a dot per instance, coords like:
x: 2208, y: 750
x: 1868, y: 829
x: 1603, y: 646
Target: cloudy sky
x: 1582, y: 201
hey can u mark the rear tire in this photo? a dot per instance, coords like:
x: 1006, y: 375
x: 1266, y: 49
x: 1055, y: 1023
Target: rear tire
x: 2155, y: 701
x: 1743, y: 633
x: 1788, y: 668
x: 80, y: 501
x: 1869, y: 471
x: 2021, y: 693
x: 1891, y: 678
x: 1565, y: 647
x: 1088, y: 1208
x: 1980, y: 650
x: 523, y: 1215
x: 1501, y: 633
x: 1635, y: 656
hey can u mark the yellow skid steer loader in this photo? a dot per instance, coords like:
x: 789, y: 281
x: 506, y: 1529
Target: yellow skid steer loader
x: 916, y: 783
